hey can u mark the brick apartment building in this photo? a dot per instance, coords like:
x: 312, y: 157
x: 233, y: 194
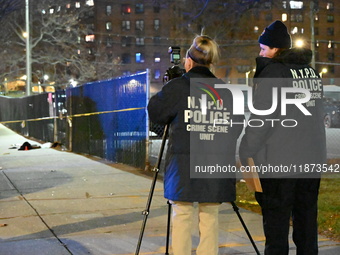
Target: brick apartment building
x: 132, y: 35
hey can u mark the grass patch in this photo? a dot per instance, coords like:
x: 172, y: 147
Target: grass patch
x: 329, y: 205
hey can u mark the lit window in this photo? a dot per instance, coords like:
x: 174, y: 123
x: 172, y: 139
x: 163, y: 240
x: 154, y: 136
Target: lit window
x: 108, y: 10
x: 157, y: 58
x: 108, y: 25
x: 139, y: 41
x: 51, y: 11
x: 126, y: 25
x: 284, y: 17
x: 89, y: 2
x: 330, y: 6
x: 294, y: 30
x: 126, y: 9
x: 157, y: 74
x: 284, y: 4
x: 139, y: 57
x: 256, y: 29
x: 139, y: 8
x: 330, y: 45
x: 156, y: 24
x: 140, y: 25
x: 77, y: 4
x: 89, y: 38
x: 68, y: 6
x: 296, y: 4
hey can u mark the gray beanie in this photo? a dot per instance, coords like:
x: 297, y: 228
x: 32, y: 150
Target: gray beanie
x: 276, y: 35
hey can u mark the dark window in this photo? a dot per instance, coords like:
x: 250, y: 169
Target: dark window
x: 330, y: 30
x: 109, y: 42
x: 330, y: 56
x: 269, y: 17
x: 330, y: 18
x: 139, y: 8
x: 296, y: 18
x: 126, y: 41
x: 157, y: 40
x: 126, y: 58
x: 156, y: 8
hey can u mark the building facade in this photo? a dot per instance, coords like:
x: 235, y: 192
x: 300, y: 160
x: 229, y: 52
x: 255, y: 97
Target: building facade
x: 130, y: 36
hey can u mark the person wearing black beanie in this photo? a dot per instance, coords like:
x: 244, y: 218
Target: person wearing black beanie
x: 276, y: 36
x: 275, y: 145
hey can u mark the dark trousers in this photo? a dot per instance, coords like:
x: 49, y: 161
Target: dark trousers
x: 285, y: 198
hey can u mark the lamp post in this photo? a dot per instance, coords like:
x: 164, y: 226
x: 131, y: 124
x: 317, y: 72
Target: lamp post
x: 28, y: 52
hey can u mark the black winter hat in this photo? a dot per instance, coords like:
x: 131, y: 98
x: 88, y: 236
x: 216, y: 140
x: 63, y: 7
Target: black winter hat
x: 276, y: 35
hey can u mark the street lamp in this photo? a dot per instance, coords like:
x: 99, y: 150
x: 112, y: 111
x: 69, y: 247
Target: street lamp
x: 299, y: 43
x: 323, y: 71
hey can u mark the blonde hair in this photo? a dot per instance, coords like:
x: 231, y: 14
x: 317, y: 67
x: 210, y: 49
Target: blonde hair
x: 204, y: 51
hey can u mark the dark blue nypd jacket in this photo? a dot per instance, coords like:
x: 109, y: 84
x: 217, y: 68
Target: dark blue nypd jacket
x: 198, y: 146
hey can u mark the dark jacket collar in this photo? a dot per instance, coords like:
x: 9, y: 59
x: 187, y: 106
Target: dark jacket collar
x: 199, y: 71
x: 293, y: 56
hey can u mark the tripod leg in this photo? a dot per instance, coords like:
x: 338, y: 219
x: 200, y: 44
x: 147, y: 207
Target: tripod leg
x: 148, y: 204
x: 236, y: 209
x: 168, y: 229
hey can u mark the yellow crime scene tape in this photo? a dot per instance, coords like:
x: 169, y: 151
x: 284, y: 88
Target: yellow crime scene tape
x: 73, y: 116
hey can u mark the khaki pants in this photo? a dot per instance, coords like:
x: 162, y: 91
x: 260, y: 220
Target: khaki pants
x: 182, y: 218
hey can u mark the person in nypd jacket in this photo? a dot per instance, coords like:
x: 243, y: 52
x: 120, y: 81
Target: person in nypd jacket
x: 290, y: 145
x: 201, y: 147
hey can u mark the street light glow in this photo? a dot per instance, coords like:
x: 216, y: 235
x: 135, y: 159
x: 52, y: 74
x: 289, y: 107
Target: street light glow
x: 299, y: 43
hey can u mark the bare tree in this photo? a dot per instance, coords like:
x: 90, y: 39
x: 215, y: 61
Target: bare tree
x: 57, y: 44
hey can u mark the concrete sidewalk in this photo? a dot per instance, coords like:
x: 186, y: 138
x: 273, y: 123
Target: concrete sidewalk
x: 55, y: 202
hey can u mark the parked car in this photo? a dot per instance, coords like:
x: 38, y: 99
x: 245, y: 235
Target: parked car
x: 331, y: 102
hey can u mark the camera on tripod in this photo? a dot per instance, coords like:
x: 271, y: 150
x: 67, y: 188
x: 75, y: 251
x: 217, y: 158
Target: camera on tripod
x: 175, y: 58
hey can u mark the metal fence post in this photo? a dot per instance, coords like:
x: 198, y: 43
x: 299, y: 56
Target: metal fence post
x: 147, y: 137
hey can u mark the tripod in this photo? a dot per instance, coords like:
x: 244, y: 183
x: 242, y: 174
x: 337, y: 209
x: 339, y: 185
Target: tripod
x: 148, y: 204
